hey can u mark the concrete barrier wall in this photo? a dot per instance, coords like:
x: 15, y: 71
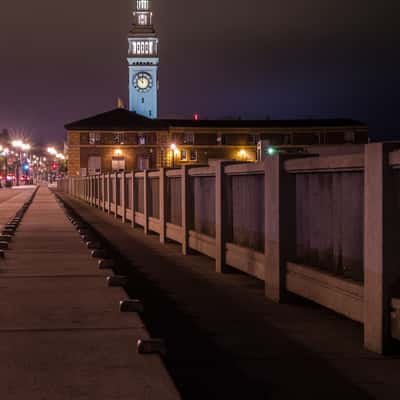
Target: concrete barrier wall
x: 314, y: 226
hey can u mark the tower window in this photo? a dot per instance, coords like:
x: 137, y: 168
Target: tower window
x: 142, y: 100
x: 142, y: 19
x: 142, y: 4
x: 150, y: 113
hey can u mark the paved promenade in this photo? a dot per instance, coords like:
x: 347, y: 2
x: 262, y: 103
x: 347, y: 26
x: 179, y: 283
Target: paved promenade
x: 10, y: 201
x: 61, y: 333
x: 227, y: 341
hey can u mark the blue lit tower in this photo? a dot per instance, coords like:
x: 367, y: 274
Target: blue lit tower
x: 143, y: 62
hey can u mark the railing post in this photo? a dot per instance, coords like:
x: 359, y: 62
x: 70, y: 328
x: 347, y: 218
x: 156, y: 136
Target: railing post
x: 145, y: 202
x: 103, y: 191
x: 220, y: 217
x: 380, y: 245
x: 109, y: 192
x: 280, y: 225
x: 90, y: 178
x: 185, y: 208
x: 123, y: 205
x: 132, y: 188
x: 115, y: 195
x: 163, y: 198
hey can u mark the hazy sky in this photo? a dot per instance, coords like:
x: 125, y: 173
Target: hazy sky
x: 63, y: 60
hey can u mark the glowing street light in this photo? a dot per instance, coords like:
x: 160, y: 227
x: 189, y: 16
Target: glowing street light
x: 173, y: 150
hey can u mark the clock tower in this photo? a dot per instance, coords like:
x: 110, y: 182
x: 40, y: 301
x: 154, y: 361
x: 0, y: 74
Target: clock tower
x: 143, y: 62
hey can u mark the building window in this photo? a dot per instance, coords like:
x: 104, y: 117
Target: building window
x: 188, y: 138
x: 193, y: 155
x: 118, y: 163
x: 184, y: 155
x: 142, y: 4
x: 94, y: 165
x: 94, y: 138
x: 142, y: 139
x: 253, y: 139
x: 118, y: 138
x: 349, y: 137
x: 142, y: 19
x: 142, y: 100
x: 220, y: 138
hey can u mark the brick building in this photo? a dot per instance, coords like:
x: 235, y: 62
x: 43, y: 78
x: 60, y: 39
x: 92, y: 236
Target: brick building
x: 123, y: 140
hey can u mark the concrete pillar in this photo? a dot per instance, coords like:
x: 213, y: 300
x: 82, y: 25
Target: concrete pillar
x: 163, y: 198
x: 185, y: 202
x: 115, y: 195
x: 380, y: 244
x: 103, y: 190
x: 123, y: 205
x: 109, y: 193
x: 280, y: 225
x: 132, y: 188
x: 220, y: 217
x: 145, y: 201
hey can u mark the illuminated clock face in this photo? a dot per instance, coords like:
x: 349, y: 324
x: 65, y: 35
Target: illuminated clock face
x: 142, y: 82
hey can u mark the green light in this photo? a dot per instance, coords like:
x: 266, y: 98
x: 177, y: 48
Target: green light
x: 271, y: 151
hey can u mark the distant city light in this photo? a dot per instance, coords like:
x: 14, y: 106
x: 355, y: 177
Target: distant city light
x: 196, y: 116
x: 271, y: 151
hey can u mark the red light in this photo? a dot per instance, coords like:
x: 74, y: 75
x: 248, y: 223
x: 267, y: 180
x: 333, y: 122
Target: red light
x: 196, y: 116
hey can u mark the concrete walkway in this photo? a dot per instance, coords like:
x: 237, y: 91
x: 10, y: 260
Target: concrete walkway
x: 226, y: 340
x: 10, y: 202
x: 61, y: 333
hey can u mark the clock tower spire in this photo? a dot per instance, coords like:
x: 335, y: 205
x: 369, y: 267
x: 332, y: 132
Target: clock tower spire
x: 143, y: 62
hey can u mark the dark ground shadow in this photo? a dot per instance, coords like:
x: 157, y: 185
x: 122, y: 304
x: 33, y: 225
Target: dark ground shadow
x: 221, y: 343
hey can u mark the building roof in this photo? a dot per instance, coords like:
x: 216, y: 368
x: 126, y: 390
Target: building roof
x: 118, y: 119
x: 123, y: 120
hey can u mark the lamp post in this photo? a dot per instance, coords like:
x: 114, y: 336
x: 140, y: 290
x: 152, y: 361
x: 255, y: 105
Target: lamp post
x: 173, y: 149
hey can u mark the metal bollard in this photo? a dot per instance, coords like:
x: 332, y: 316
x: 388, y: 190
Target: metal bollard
x: 93, y: 245
x: 117, y: 281
x: 106, y: 264
x: 131, y: 306
x: 151, y: 346
x: 5, y: 238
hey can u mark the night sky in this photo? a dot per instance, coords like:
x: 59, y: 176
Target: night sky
x: 63, y: 60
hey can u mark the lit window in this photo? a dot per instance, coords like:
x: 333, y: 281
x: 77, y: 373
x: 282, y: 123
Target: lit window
x: 94, y: 138
x: 188, y: 138
x: 142, y: 19
x: 142, y: 139
x: 118, y: 138
x: 184, y: 155
x: 142, y: 4
x: 193, y: 155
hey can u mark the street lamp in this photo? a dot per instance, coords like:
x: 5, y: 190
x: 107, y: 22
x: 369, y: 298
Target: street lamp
x: 173, y: 150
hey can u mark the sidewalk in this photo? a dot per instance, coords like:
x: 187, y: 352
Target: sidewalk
x: 10, y: 202
x: 227, y: 340
x: 61, y: 333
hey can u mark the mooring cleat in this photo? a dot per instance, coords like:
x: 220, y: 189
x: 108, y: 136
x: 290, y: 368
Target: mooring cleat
x: 117, y: 281
x: 131, y: 306
x: 151, y: 346
x: 106, y: 264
